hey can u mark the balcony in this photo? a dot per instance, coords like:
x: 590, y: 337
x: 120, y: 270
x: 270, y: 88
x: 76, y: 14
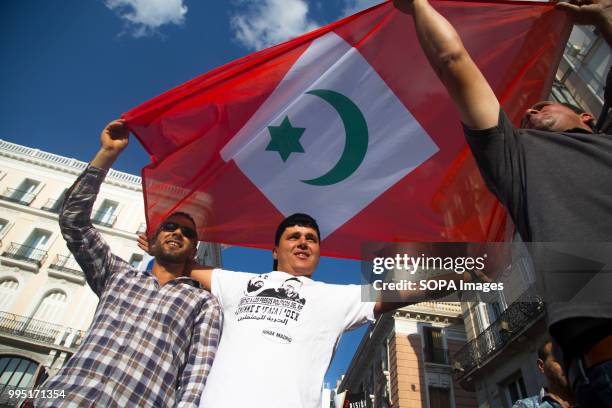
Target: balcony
x: 53, y: 206
x: 14, y: 195
x: 103, y: 218
x: 437, y: 355
x: 39, y: 330
x: 25, y: 253
x: 67, y: 264
x: 512, y: 322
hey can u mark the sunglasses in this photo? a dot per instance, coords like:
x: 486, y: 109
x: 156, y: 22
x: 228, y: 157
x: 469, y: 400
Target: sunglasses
x: 188, y: 232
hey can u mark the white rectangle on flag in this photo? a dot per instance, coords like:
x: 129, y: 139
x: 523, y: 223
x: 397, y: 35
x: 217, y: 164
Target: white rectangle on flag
x: 396, y: 142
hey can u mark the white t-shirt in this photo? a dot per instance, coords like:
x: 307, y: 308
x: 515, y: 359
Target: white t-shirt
x: 279, y: 335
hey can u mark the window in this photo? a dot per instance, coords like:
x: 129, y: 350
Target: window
x: 435, y: 352
x: 3, y: 227
x: 8, y: 293
x: 135, y: 260
x: 16, y: 373
x: 51, y: 307
x: 25, y: 192
x: 487, y: 314
x: 33, y: 247
x: 32, y: 250
x: 38, y: 238
x: 54, y: 205
x: 106, y: 213
x: 515, y: 389
x: 439, y: 397
x: 384, y: 355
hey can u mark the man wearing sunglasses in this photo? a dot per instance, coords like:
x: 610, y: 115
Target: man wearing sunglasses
x: 554, y: 177
x: 155, y: 334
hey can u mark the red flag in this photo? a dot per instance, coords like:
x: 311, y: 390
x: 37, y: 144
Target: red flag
x: 347, y: 123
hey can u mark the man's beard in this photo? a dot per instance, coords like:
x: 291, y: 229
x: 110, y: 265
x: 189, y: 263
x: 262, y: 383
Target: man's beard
x: 164, y: 256
x: 546, y: 124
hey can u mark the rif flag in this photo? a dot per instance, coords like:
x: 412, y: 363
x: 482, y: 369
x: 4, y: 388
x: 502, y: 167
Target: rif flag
x: 347, y: 123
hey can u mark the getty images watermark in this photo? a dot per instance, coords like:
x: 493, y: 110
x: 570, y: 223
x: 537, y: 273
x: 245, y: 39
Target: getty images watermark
x: 432, y: 270
x: 573, y: 274
x: 467, y: 266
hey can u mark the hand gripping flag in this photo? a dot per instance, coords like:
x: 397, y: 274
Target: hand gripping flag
x: 347, y: 123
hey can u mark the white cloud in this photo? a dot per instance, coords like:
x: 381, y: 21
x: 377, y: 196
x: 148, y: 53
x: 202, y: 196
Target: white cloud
x: 144, y: 17
x: 268, y: 22
x: 353, y: 6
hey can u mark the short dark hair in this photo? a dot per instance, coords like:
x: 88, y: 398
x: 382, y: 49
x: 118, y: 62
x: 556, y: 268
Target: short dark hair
x: 579, y: 111
x: 573, y: 107
x: 542, y: 354
x: 299, y: 219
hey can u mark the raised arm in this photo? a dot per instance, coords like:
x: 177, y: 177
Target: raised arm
x: 113, y: 140
x: 83, y: 240
x: 472, y: 95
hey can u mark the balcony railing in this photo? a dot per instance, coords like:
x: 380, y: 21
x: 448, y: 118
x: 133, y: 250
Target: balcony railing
x: 52, y: 205
x: 437, y: 355
x: 25, y: 253
x: 66, y: 264
x: 18, y: 196
x: 510, y: 324
x: 103, y: 218
x: 39, y: 330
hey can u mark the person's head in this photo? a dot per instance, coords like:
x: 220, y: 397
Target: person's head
x: 557, y: 117
x: 296, y: 245
x: 175, y: 240
x: 291, y: 287
x: 550, y: 367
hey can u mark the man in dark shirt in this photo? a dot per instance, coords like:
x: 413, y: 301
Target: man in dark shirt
x: 553, y: 178
x: 155, y: 334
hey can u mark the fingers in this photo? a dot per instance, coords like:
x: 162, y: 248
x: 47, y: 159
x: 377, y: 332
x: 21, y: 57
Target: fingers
x: 567, y: 6
x: 117, y: 129
x: 577, y: 2
x: 117, y: 122
x: 143, y: 243
x: 114, y: 138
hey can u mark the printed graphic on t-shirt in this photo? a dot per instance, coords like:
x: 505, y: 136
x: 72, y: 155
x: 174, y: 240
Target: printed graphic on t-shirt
x: 264, y: 300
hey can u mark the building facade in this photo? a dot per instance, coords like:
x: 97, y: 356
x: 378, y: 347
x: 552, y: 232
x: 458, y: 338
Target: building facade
x: 403, y: 360
x: 504, y: 331
x: 582, y: 71
x: 45, y: 304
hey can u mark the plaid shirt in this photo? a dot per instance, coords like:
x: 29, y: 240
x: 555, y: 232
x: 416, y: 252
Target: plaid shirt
x: 148, y: 345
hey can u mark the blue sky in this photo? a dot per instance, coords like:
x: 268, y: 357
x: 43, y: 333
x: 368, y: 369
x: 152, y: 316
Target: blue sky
x: 71, y: 66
